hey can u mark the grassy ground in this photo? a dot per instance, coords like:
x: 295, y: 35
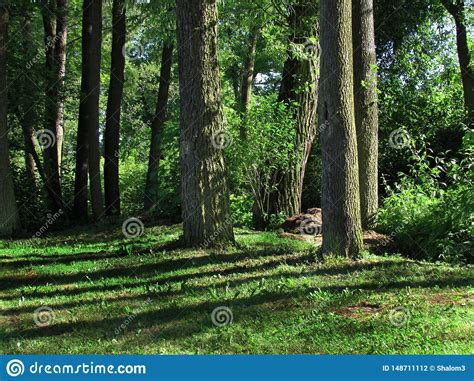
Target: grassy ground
x: 107, y: 294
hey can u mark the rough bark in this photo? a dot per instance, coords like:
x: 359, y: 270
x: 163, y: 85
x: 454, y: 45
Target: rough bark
x: 456, y: 9
x: 248, y: 77
x: 204, y: 190
x: 53, y: 83
x: 9, y: 217
x: 366, y: 110
x: 299, y: 85
x: 112, y: 126
x: 87, y: 148
x: 157, y: 126
x: 342, y: 233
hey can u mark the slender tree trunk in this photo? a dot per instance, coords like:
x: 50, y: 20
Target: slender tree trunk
x: 204, y: 189
x: 366, y: 110
x: 9, y: 217
x: 87, y: 149
x: 247, y: 77
x: 299, y: 85
x: 457, y: 10
x: 157, y: 126
x: 112, y: 126
x: 342, y: 233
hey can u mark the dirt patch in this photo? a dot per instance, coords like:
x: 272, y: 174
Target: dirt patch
x: 456, y: 299
x: 359, y: 311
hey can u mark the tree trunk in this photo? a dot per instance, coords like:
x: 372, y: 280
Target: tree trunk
x: 9, y: 217
x: 157, y: 126
x: 112, y: 126
x: 457, y: 11
x: 50, y: 142
x: 87, y: 149
x: 299, y: 85
x: 342, y: 233
x: 204, y: 189
x: 366, y: 110
x: 247, y: 78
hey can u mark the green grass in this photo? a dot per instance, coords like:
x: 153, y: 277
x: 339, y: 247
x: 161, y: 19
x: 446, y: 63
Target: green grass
x: 114, y: 295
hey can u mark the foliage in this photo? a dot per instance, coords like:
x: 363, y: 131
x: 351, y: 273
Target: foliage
x: 430, y: 213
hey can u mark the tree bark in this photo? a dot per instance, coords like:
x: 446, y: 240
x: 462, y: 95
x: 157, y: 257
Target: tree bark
x: 366, y: 110
x: 247, y: 77
x: 157, y: 126
x: 204, y: 189
x: 87, y: 149
x: 9, y: 217
x: 456, y: 9
x: 342, y: 233
x: 112, y: 126
x: 298, y: 86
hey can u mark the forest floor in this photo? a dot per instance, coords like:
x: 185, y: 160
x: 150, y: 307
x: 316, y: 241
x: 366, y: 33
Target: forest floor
x: 95, y: 292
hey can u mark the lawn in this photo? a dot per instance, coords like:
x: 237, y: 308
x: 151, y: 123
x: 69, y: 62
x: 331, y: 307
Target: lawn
x: 96, y: 292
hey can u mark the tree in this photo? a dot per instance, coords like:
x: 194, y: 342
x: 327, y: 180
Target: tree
x: 366, y: 110
x: 340, y: 185
x: 55, y: 28
x: 112, y: 125
x: 457, y: 10
x: 9, y: 217
x: 298, y: 90
x: 204, y: 188
x: 87, y: 149
x: 157, y: 126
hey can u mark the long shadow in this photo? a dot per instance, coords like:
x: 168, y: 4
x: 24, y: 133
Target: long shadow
x: 179, y: 314
x: 348, y: 269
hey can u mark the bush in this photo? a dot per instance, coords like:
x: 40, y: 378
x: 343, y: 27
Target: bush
x: 429, y: 213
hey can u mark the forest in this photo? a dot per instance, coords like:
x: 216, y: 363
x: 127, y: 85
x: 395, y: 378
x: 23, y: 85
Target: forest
x: 236, y: 176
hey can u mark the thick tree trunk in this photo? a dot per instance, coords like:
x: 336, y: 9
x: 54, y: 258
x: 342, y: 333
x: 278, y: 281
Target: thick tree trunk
x: 112, y: 126
x: 366, y: 110
x: 457, y: 11
x: 50, y: 146
x: 9, y: 218
x: 87, y: 149
x: 204, y: 190
x: 157, y: 126
x: 342, y: 233
x: 299, y: 85
x: 247, y: 77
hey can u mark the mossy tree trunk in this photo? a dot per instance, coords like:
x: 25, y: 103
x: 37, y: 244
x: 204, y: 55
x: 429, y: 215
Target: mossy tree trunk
x: 366, y: 110
x: 204, y: 189
x: 342, y: 233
